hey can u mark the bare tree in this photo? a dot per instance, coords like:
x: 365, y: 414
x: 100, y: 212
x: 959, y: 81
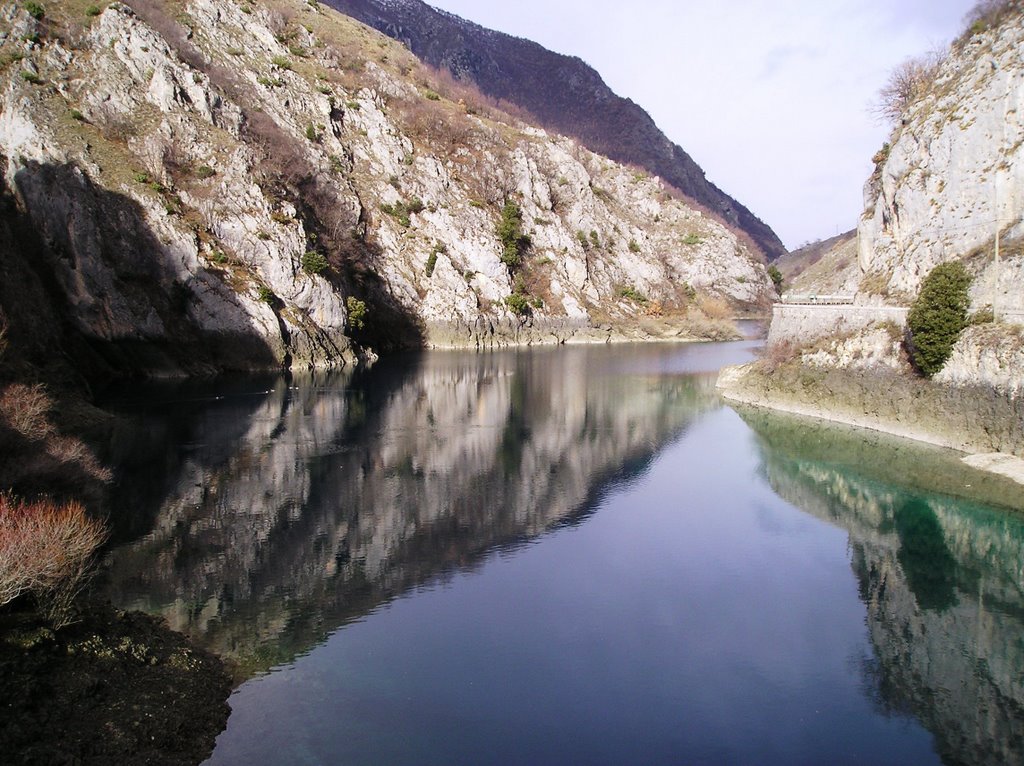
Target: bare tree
x: 985, y: 14
x: 908, y: 82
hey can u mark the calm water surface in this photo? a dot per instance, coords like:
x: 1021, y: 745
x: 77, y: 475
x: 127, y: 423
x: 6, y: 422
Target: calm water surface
x: 570, y: 556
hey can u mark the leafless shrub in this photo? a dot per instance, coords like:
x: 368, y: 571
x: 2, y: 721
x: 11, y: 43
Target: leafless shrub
x: 778, y: 354
x: 986, y: 14
x: 24, y: 409
x: 434, y: 123
x: 908, y: 82
x: 46, y: 550
x: 114, y: 125
x: 3, y: 334
x: 714, y: 308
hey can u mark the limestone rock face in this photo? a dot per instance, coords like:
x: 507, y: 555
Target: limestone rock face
x: 240, y: 186
x: 952, y: 174
x: 988, y: 355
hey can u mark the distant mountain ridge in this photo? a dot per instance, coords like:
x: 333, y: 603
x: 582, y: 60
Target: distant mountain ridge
x: 562, y: 92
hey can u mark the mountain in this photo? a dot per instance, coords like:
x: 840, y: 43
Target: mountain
x: 825, y: 267
x: 223, y: 185
x: 562, y: 92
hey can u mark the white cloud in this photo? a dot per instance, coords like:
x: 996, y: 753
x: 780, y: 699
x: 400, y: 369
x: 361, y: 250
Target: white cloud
x: 770, y: 98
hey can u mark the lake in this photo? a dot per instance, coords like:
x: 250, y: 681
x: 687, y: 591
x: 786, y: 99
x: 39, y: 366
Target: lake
x: 574, y: 555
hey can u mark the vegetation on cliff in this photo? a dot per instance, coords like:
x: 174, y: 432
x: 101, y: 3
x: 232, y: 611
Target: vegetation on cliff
x: 938, y: 316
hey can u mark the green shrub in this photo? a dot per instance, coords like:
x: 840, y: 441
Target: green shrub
x: 281, y: 62
x: 75, y: 114
x: 582, y: 237
x: 776, y: 277
x: 34, y: 9
x: 31, y: 77
x: 297, y: 50
x: 631, y: 293
x: 633, y: 246
x: 518, y: 303
x: 692, y: 239
x: 415, y: 205
x: 510, y: 231
x: 313, y: 262
x: 356, y: 312
x: 93, y: 10
x: 311, y: 133
x: 430, y: 95
x: 439, y: 248
x: 594, y: 239
x: 205, y: 171
x: 265, y: 294
x: 938, y: 316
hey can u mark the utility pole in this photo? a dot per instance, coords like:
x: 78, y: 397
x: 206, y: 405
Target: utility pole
x: 996, y: 265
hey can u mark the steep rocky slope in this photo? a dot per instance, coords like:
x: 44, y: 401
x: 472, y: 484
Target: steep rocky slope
x: 215, y: 184
x: 953, y: 173
x: 828, y: 267
x: 562, y: 92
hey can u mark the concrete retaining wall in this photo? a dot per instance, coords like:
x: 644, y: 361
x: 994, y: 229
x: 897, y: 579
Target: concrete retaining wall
x: 806, y: 323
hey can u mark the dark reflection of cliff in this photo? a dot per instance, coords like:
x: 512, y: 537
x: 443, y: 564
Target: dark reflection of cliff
x: 262, y: 520
x: 942, y: 578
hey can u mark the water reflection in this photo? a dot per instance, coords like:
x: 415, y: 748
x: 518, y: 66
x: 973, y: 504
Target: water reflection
x: 942, y: 579
x: 260, y: 518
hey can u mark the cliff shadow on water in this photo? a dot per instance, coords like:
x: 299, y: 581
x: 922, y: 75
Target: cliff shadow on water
x: 936, y: 548
x: 260, y: 519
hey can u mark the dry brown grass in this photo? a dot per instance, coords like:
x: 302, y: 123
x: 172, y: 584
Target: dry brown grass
x: 25, y: 410
x: 34, y: 457
x: 714, y: 308
x: 46, y: 549
x: 778, y: 354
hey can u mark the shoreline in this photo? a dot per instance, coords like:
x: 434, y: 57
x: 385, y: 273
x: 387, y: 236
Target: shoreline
x: 733, y: 386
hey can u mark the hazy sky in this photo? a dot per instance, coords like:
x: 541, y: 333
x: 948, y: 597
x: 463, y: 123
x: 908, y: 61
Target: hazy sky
x: 770, y: 97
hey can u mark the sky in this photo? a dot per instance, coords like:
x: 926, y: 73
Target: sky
x: 770, y: 97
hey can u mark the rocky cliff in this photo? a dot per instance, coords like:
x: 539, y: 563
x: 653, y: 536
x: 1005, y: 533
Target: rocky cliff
x: 562, y: 92
x: 218, y: 184
x: 952, y: 174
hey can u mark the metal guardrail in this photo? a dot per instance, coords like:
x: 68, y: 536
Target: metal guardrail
x: 817, y: 300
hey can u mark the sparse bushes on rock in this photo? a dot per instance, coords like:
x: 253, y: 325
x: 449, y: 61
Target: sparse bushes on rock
x: 313, y: 262
x: 510, y: 231
x: 938, y: 316
x: 631, y: 293
x: 985, y: 15
x: 357, y: 312
x: 34, y: 9
x: 518, y: 303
